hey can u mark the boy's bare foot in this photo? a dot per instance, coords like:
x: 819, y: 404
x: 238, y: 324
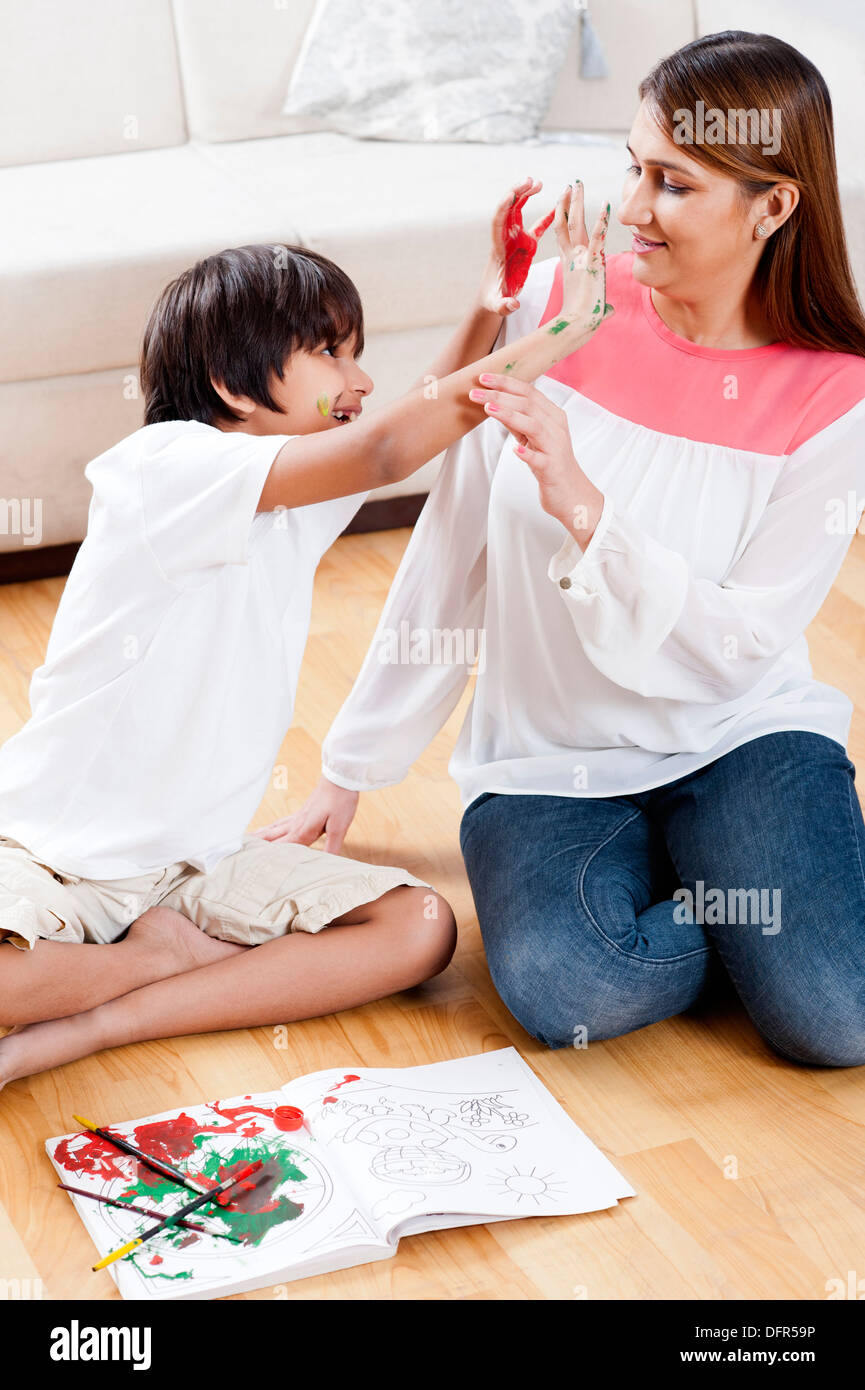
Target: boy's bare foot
x: 60, y: 979
x: 164, y: 932
x: 27, y: 1048
x: 33, y: 1047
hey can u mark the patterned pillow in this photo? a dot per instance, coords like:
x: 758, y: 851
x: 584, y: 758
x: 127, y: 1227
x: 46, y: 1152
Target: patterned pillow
x: 431, y: 69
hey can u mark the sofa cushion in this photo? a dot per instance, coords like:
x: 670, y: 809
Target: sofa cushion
x: 89, y: 77
x: 93, y: 241
x: 237, y: 59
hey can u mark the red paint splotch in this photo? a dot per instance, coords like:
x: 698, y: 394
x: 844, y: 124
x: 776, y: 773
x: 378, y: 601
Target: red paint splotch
x: 171, y: 1141
x: 90, y: 1153
x: 520, y: 247
x: 331, y: 1100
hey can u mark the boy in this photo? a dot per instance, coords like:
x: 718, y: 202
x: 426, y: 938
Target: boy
x: 172, y: 665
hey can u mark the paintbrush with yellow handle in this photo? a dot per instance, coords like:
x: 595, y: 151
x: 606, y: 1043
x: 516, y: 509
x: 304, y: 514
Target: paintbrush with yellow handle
x: 158, y: 1166
x: 210, y: 1195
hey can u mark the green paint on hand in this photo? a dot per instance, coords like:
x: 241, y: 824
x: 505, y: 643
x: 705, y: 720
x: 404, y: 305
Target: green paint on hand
x: 509, y: 365
x: 557, y: 327
x: 323, y: 404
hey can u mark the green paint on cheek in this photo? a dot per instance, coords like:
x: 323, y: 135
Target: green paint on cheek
x: 323, y: 404
x: 557, y: 327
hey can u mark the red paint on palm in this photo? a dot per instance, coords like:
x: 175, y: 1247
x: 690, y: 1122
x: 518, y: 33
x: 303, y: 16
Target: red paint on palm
x: 519, y: 249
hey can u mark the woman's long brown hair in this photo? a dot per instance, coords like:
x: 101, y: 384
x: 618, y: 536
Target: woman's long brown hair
x: 803, y: 277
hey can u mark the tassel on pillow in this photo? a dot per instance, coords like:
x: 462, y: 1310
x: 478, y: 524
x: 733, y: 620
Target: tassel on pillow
x: 592, y: 60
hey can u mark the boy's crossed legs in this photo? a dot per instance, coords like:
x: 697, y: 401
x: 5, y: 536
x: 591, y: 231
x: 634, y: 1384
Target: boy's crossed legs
x: 170, y: 977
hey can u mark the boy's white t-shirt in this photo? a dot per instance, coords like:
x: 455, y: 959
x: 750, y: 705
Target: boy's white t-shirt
x: 172, y: 665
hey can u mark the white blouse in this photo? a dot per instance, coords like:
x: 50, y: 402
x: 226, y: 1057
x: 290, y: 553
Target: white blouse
x: 733, y: 481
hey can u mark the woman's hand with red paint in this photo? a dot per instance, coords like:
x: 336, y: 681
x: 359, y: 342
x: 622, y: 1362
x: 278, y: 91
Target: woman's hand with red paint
x: 583, y: 261
x: 328, y: 809
x: 543, y: 441
x: 513, y: 250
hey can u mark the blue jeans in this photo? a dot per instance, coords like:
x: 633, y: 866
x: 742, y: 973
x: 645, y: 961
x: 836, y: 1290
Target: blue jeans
x: 585, y: 940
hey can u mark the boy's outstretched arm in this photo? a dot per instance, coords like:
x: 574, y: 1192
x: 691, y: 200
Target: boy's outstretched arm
x: 402, y: 436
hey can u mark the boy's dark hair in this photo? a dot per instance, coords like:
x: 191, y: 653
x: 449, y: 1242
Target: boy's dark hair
x: 236, y: 317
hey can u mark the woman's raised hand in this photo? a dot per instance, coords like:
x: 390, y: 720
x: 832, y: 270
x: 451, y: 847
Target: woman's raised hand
x: 513, y: 249
x: 583, y: 260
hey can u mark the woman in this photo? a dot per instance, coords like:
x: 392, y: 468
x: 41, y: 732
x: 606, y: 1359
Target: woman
x: 652, y: 778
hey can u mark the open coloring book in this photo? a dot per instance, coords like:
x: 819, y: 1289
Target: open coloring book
x: 390, y: 1152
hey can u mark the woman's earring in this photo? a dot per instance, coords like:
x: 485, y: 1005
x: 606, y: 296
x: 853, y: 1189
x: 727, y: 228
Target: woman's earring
x: 760, y: 230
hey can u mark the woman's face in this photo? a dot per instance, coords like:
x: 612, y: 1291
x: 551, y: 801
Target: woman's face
x: 693, y: 212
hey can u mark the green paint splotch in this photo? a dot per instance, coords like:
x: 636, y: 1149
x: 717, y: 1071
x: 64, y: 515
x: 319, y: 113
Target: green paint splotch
x: 248, y: 1226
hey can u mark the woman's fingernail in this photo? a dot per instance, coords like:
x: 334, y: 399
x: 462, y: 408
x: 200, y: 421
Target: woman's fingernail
x: 485, y: 376
x: 476, y: 395
x: 490, y: 406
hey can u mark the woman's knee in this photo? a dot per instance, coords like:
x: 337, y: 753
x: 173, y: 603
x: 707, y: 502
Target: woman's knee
x: 822, y: 1044
x: 558, y: 997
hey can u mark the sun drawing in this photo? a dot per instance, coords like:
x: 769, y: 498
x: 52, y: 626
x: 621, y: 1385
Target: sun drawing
x: 533, y: 1185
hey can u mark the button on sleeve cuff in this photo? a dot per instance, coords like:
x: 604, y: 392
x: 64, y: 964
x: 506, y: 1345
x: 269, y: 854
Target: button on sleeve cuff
x: 571, y: 568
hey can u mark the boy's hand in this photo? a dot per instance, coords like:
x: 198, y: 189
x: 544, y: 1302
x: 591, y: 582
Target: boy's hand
x: 583, y: 261
x: 512, y: 251
x: 328, y: 808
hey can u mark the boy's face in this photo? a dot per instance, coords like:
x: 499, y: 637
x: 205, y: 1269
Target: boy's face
x: 320, y: 390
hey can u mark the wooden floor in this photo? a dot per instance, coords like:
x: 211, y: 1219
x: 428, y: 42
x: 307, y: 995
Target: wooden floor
x: 750, y: 1172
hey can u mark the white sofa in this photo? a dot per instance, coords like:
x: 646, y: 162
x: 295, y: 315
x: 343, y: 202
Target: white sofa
x: 138, y: 135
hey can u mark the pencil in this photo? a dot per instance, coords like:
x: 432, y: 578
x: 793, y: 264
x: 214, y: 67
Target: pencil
x: 184, y: 1211
x: 143, y: 1211
x: 167, y: 1171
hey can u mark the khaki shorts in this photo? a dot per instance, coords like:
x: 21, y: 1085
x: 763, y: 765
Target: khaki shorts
x: 264, y: 890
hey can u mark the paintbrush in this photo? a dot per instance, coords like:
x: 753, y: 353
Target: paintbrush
x: 165, y: 1169
x: 184, y: 1211
x: 145, y: 1211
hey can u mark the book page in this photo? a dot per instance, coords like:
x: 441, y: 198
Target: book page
x: 302, y: 1216
x: 474, y: 1136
